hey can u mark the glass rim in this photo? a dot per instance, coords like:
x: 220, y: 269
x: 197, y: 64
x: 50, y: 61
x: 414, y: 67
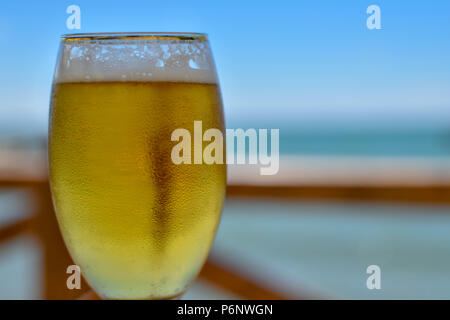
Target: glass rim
x: 135, y: 36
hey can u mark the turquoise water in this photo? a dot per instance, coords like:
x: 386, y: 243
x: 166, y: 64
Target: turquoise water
x: 319, y: 141
x: 366, y: 143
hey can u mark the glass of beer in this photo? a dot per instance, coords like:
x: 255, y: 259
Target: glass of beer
x: 138, y: 225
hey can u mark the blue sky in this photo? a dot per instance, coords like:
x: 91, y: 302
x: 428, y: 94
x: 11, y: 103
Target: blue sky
x: 280, y: 63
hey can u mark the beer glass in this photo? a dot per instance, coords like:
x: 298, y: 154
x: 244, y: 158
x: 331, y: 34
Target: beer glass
x: 138, y: 225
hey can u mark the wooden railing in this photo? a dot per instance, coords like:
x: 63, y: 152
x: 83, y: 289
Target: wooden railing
x: 413, y: 194
x: 22, y: 170
x: 28, y: 171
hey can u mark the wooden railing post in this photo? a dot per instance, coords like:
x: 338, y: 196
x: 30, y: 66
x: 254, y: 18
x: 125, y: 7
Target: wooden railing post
x: 56, y: 258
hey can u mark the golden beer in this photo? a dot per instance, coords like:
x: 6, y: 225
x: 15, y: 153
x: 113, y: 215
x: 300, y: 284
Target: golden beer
x: 138, y: 225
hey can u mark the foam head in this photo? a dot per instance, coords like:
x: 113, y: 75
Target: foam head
x: 95, y: 60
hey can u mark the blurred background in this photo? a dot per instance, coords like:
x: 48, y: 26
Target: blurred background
x: 364, y: 119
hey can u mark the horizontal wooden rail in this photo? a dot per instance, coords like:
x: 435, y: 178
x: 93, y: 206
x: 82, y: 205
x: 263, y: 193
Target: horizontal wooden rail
x: 415, y: 194
x: 22, y: 183
x: 12, y: 230
x: 398, y: 194
x: 236, y: 283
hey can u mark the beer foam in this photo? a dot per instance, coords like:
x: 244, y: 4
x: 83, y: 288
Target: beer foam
x: 135, y: 60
